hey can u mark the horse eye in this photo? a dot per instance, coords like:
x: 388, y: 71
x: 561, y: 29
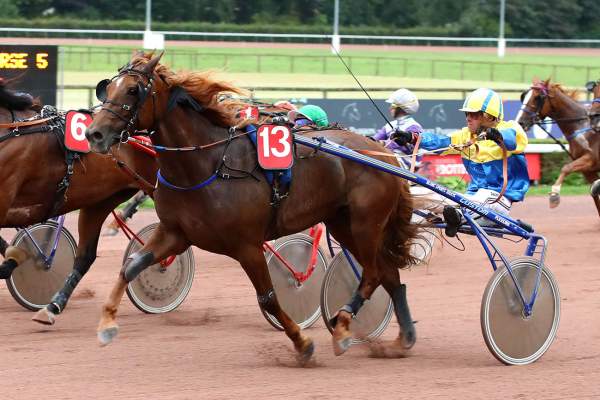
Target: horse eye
x: 132, y: 90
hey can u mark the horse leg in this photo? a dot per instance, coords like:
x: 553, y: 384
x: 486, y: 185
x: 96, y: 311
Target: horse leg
x: 3, y: 246
x: 162, y: 244
x: 365, y: 253
x: 407, y: 335
x: 595, y: 189
x: 13, y: 256
x: 583, y: 163
x: 592, y: 178
x: 254, y: 264
x: 89, y: 225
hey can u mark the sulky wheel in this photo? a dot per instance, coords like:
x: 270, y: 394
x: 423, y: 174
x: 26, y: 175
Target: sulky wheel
x: 160, y: 289
x: 511, y: 336
x: 339, y: 284
x: 299, y: 300
x: 34, y: 283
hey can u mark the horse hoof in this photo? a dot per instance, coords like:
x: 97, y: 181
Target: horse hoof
x: 106, y: 336
x: 110, y: 232
x: 44, y: 317
x: 305, y: 355
x: 342, y: 345
x: 395, y: 349
x: 554, y: 200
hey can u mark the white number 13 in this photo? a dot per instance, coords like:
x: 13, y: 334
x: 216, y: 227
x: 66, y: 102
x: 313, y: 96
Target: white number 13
x: 278, y: 151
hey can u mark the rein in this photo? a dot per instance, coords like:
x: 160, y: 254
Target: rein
x: 19, y: 124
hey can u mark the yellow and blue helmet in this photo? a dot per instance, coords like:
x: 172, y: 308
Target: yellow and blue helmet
x: 485, y: 100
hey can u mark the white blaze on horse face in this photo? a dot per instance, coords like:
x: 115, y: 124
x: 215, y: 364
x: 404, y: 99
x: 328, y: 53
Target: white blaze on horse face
x: 119, y: 82
x: 524, y: 105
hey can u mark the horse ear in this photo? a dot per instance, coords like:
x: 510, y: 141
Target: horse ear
x: 150, y: 65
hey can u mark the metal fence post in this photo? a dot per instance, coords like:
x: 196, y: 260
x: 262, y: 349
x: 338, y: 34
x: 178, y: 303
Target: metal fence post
x: 90, y: 97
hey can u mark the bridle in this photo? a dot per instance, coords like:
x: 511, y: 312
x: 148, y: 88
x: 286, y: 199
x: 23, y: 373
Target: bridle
x: 143, y: 92
x: 540, y: 100
x: 590, y: 86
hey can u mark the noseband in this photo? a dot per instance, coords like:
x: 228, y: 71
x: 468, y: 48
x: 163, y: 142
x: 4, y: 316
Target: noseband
x: 594, y: 116
x: 143, y: 91
x: 539, y: 104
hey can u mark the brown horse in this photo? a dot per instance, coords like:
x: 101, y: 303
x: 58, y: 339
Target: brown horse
x: 594, y: 87
x: 199, y: 203
x: 33, y: 166
x: 545, y: 99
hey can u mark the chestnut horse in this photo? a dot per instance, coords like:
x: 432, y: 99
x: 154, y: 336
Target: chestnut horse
x: 594, y: 88
x: 198, y: 202
x: 545, y: 99
x: 33, y: 165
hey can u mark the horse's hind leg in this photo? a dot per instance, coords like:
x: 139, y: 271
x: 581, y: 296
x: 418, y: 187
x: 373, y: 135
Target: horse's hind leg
x: 390, y: 279
x: 581, y: 164
x: 162, y: 244
x: 254, y: 264
x: 89, y: 225
x: 364, y: 250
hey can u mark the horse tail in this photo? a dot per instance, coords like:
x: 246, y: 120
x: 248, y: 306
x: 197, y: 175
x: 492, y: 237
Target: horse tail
x: 399, y: 232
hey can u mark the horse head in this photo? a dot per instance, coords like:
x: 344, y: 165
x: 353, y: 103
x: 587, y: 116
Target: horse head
x: 594, y: 88
x: 544, y: 99
x: 125, y: 107
x: 535, y: 104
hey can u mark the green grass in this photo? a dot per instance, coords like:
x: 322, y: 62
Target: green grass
x: 568, y: 69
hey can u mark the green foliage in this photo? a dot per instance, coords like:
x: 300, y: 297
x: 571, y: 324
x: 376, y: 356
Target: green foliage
x: 453, y: 182
x: 9, y: 9
x: 524, y: 18
x: 551, y: 166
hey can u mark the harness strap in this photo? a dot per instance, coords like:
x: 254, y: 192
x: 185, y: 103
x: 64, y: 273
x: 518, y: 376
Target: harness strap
x: 200, y: 185
x: 504, y: 171
x: 18, y: 124
x: 60, y: 197
x: 413, y: 160
x: 146, y: 186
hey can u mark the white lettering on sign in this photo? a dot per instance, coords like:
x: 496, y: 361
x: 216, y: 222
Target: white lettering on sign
x: 78, y: 126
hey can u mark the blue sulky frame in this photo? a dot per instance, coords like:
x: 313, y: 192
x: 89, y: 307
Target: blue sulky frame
x: 537, y: 244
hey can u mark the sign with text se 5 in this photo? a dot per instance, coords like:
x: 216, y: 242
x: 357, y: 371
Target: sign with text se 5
x: 76, y: 123
x: 274, y: 146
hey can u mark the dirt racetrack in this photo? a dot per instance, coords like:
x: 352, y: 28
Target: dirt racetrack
x: 218, y: 346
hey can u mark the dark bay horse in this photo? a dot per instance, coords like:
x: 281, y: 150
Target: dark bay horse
x: 33, y: 165
x: 594, y: 87
x: 546, y: 99
x: 199, y: 203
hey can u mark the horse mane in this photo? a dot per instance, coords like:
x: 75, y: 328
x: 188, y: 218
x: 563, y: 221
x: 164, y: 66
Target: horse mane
x: 202, y: 87
x: 573, y: 94
x: 17, y: 101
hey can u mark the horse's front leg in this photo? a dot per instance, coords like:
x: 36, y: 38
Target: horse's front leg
x: 254, y: 264
x: 13, y: 256
x: 583, y: 163
x: 162, y: 244
x: 89, y: 226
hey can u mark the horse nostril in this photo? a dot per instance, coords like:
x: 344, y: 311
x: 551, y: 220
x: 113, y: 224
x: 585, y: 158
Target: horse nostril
x: 94, y: 136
